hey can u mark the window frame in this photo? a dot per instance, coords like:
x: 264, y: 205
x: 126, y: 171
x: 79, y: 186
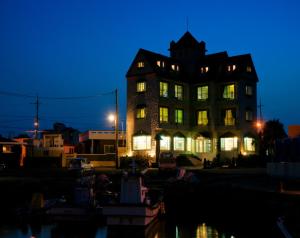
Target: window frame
x: 163, y: 89
x: 163, y: 118
x: 201, y: 95
x: 177, y: 110
x: 140, y: 113
x: 200, y: 112
x: 139, y: 88
x: 178, y: 94
x: 226, y: 92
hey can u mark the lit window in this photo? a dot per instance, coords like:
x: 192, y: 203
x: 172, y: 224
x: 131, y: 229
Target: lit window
x: 178, y: 116
x: 249, y: 69
x: 179, y: 143
x: 229, y: 119
x: 204, y: 69
x: 189, y: 144
x: 249, y: 115
x: 141, y: 113
x: 203, y: 145
x: 163, y: 89
x: 6, y: 149
x: 178, y: 92
x: 202, y: 93
x: 249, y: 90
x: 231, y: 67
x: 141, y: 142
x: 202, y: 118
x: 249, y: 144
x: 175, y: 67
x: 229, y: 143
x: 163, y: 114
x: 140, y: 64
x: 162, y: 64
x: 165, y: 143
x: 158, y: 63
x: 141, y: 87
x: 228, y: 92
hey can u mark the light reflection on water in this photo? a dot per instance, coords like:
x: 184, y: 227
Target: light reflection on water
x: 158, y: 230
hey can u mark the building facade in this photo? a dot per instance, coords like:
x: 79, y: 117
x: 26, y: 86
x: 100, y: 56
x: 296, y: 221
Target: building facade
x: 191, y: 102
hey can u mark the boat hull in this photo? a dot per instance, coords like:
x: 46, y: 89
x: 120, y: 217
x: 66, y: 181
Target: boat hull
x: 128, y: 215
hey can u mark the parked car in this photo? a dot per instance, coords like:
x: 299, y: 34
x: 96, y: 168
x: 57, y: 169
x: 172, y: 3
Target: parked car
x: 2, y: 166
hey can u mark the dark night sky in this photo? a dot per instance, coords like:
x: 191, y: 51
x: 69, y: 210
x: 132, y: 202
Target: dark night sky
x: 73, y: 48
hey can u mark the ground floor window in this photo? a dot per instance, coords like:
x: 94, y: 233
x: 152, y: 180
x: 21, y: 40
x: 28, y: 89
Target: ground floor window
x: 109, y: 149
x: 179, y: 143
x: 203, y: 145
x: 249, y: 144
x: 165, y: 143
x: 229, y: 143
x: 141, y: 142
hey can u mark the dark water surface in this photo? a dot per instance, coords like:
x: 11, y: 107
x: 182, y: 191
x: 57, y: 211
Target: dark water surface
x: 160, y: 229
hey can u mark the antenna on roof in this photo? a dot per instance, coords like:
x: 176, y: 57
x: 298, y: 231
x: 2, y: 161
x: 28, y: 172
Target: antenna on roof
x: 187, y: 23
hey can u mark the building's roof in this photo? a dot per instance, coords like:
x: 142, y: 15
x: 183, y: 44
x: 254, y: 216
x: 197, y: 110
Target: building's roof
x: 187, y: 40
x: 217, y: 63
x: 3, y: 139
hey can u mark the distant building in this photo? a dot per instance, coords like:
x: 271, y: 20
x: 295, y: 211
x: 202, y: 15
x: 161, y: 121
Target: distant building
x: 101, y: 142
x: 10, y: 152
x: 191, y: 102
x: 293, y: 131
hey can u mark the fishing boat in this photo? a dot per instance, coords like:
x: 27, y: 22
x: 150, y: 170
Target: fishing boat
x: 135, y: 207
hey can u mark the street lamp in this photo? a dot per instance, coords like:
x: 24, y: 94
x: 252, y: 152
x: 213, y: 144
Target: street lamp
x: 112, y: 118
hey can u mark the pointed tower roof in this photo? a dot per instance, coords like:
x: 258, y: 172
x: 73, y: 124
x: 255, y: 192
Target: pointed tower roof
x: 187, y: 40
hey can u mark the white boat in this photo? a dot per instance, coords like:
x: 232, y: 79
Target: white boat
x: 135, y: 207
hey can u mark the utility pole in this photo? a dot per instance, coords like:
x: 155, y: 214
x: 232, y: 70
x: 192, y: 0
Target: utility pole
x: 117, y: 129
x: 36, y: 119
x: 260, y: 110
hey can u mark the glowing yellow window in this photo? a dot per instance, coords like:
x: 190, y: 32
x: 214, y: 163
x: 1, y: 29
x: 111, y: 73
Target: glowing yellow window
x: 141, y: 64
x: 202, y: 118
x: 141, y: 142
x: 228, y: 92
x: 249, y: 144
x: 229, y: 143
x: 141, y: 113
x: 163, y: 114
x: 163, y: 89
x: 141, y: 87
x: 229, y: 119
x: 165, y: 143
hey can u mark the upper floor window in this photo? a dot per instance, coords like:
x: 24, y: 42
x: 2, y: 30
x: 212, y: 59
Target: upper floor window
x: 141, y: 113
x: 158, y: 63
x: 163, y: 114
x: 141, y: 87
x: 141, y: 64
x: 228, y: 92
x: 231, y: 67
x: 229, y: 119
x: 163, y: 89
x: 204, y: 69
x: 249, y: 115
x: 178, y: 92
x: 202, y: 93
x: 202, y: 118
x: 248, y: 90
x: 178, y: 116
x: 175, y: 67
x: 249, y: 69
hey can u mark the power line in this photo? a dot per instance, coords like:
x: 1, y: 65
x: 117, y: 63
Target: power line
x: 13, y: 94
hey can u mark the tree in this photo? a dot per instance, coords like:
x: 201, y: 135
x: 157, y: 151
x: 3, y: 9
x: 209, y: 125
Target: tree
x: 273, y: 130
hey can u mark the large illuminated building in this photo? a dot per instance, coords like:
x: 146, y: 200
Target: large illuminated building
x: 191, y: 102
